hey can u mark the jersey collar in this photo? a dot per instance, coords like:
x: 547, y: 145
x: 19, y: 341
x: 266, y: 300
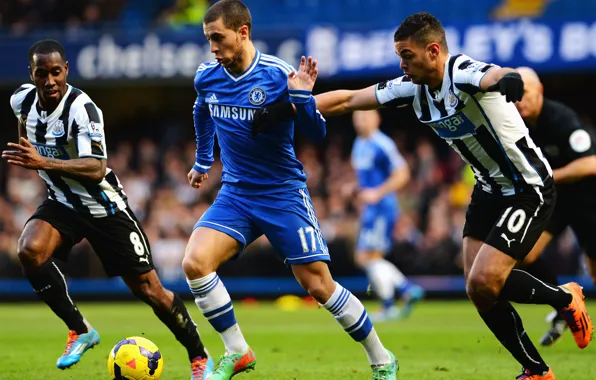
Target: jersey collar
x: 440, y: 94
x: 247, y: 71
x: 57, y: 109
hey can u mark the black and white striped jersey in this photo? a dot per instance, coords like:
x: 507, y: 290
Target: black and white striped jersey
x: 73, y: 130
x: 487, y: 132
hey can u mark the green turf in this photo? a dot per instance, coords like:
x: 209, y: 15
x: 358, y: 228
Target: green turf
x: 442, y: 340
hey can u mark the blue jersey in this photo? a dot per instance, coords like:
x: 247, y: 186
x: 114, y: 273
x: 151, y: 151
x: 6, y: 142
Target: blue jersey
x: 226, y: 104
x: 374, y: 158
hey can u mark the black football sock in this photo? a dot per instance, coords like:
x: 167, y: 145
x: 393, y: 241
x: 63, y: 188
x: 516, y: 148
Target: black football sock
x: 522, y: 287
x: 543, y: 271
x: 181, y: 324
x: 50, y: 285
x: 507, y: 326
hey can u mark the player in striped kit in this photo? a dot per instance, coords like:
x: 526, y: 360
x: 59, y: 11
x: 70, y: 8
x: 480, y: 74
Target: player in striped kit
x: 61, y: 135
x: 470, y: 105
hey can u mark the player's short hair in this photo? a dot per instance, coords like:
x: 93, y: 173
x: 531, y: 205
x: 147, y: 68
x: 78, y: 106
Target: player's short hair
x: 46, y: 47
x: 233, y: 13
x: 423, y: 28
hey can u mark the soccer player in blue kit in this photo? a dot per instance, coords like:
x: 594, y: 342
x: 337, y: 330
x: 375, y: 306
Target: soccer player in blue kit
x: 381, y: 171
x: 264, y: 189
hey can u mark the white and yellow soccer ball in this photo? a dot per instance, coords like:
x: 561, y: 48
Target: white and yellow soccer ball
x: 135, y: 358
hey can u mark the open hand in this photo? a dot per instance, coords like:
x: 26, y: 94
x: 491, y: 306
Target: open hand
x: 24, y: 155
x: 304, y: 79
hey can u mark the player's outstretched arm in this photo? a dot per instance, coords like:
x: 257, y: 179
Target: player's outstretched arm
x: 505, y: 80
x: 338, y: 102
x: 308, y: 119
x: 82, y: 169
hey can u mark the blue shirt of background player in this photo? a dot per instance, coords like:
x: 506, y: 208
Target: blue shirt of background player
x: 225, y: 106
x: 374, y: 158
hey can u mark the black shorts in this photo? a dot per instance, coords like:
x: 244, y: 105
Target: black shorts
x: 118, y: 240
x: 581, y: 217
x: 512, y: 224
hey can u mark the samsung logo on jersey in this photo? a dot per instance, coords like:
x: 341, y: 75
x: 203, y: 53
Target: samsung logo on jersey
x: 57, y: 152
x: 235, y: 113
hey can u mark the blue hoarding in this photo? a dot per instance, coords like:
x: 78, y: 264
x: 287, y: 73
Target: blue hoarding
x: 553, y: 46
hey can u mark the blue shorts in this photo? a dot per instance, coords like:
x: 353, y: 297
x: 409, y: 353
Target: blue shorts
x: 376, y: 229
x: 287, y: 219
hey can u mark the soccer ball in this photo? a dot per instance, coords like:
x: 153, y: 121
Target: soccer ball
x: 135, y: 358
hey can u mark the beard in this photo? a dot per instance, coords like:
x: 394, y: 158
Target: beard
x: 235, y: 60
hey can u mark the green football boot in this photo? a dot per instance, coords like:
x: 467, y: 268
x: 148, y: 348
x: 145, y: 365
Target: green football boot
x: 229, y: 366
x: 386, y: 371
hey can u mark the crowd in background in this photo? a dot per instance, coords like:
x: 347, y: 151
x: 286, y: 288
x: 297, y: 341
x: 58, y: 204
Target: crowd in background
x: 20, y: 17
x: 427, y: 238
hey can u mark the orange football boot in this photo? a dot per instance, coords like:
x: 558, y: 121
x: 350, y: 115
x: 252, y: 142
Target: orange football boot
x: 527, y: 376
x: 576, y: 315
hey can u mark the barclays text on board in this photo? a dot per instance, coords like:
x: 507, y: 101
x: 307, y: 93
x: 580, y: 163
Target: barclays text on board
x: 546, y: 47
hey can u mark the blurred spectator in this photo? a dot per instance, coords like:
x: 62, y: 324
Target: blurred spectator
x: 184, y: 13
x: 155, y: 181
x: 75, y: 17
x: 20, y: 17
x: 428, y: 234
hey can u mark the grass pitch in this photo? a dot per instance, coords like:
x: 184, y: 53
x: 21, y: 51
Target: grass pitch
x: 440, y: 341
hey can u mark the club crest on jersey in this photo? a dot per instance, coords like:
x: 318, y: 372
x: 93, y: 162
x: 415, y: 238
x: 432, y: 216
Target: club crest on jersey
x: 257, y: 96
x: 451, y: 99
x: 58, y: 129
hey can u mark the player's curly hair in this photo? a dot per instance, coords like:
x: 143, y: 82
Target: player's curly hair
x: 46, y: 47
x: 423, y: 28
x: 233, y: 13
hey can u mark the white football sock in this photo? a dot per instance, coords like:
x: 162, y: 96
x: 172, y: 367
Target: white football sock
x: 352, y: 316
x: 381, y: 278
x: 215, y: 303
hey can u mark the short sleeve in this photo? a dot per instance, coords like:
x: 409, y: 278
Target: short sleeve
x: 469, y: 72
x: 90, y: 137
x: 17, y: 98
x: 395, y: 93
